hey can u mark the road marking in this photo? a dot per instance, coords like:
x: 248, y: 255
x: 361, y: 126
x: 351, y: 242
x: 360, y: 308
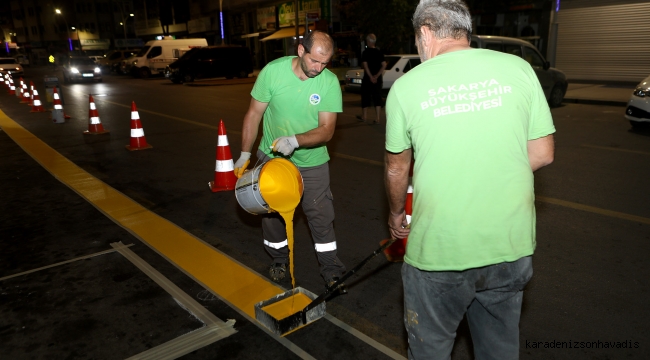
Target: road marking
x: 62, y: 263
x: 595, y: 210
x: 215, y: 329
x: 615, y: 149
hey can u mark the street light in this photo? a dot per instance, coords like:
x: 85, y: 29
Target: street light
x: 67, y: 28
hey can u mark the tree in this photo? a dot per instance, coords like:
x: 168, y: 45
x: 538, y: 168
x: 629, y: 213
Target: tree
x: 390, y: 20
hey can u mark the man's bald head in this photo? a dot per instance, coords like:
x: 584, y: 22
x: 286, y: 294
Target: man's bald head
x: 318, y: 41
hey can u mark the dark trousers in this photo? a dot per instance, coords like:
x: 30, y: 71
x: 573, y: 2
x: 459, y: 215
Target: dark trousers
x: 435, y: 302
x: 317, y: 204
x: 371, y: 93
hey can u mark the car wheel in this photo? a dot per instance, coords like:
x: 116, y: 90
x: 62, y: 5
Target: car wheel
x: 242, y: 74
x: 145, y: 73
x: 556, y: 97
x: 187, y: 78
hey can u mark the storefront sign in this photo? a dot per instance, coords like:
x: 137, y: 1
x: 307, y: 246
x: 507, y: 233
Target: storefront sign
x: 266, y: 17
x: 95, y: 44
x: 287, y: 17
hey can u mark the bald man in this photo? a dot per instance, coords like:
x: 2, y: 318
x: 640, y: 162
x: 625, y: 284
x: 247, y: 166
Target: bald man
x: 297, y: 100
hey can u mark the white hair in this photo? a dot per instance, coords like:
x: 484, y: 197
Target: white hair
x: 445, y: 18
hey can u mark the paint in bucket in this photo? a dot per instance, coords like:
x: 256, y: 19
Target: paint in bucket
x: 273, y: 186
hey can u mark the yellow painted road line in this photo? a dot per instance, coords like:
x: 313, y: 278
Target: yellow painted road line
x: 615, y: 149
x: 233, y: 282
x: 595, y: 210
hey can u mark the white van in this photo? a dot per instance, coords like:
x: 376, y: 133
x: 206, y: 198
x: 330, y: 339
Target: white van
x: 157, y: 54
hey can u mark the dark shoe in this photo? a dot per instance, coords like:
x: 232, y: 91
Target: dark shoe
x: 360, y: 119
x: 278, y: 271
x: 339, y: 290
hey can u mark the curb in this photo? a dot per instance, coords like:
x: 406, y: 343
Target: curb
x: 595, y: 102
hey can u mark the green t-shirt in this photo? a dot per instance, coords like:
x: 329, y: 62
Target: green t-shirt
x: 468, y: 116
x: 293, y: 107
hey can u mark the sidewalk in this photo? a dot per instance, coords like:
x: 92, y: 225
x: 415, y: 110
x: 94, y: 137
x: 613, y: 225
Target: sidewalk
x: 614, y: 94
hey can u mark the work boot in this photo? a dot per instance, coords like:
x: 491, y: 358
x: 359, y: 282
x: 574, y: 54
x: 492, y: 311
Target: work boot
x: 277, y: 271
x: 339, y: 290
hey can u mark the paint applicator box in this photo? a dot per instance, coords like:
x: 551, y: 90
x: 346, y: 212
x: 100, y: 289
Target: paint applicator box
x: 297, y: 319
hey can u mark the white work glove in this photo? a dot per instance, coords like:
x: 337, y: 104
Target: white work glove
x: 242, y: 163
x: 285, y: 144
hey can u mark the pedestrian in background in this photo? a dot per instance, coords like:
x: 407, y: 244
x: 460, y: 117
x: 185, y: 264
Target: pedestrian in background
x: 374, y: 64
x: 298, y: 99
x: 479, y: 126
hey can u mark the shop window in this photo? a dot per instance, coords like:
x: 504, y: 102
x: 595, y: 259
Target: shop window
x: 79, y: 7
x: 30, y: 11
x: 34, y: 30
x: 89, y: 7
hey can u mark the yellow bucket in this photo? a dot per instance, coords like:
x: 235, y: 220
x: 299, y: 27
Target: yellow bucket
x: 273, y: 186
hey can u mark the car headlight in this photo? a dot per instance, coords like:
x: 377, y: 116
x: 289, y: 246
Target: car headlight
x: 74, y: 70
x: 135, y: 62
x: 97, y: 70
x: 641, y: 92
x: 1, y: 68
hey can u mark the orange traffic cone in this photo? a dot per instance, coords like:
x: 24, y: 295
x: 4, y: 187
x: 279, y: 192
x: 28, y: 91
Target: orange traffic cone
x: 224, y: 174
x: 395, y: 252
x: 57, y: 113
x: 36, y: 105
x: 26, y: 95
x: 95, y: 126
x: 31, y: 94
x: 138, y: 141
x: 19, y: 89
x: 5, y: 79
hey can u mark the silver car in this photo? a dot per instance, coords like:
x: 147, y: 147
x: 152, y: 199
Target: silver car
x: 396, y: 66
x: 553, y: 81
x: 10, y: 64
x: 638, y: 108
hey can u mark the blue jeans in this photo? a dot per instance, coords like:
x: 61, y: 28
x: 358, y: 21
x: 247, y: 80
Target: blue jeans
x: 435, y: 302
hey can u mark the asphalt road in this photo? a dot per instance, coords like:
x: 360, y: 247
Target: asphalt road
x: 593, y: 232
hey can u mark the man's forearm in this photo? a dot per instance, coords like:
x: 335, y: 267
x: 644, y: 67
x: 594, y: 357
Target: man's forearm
x: 321, y: 134
x: 396, y: 179
x: 249, y: 132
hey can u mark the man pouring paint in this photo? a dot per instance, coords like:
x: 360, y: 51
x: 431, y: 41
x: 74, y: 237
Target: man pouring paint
x: 297, y: 101
x: 479, y: 126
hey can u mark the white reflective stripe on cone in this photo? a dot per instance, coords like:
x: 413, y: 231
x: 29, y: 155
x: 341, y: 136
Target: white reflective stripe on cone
x: 410, y: 189
x: 37, y: 102
x: 278, y: 245
x: 35, y: 92
x: 137, y: 132
x: 58, y: 107
x: 408, y: 219
x: 92, y: 106
x: 325, y: 247
x: 225, y: 165
x: 94, y: 120
x: 56, y: 96
x: 135, y: 115
x: 223, y: 140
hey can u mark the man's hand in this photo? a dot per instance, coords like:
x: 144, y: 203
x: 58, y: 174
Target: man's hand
x: 285, y: 145
x: 398, y: 225
x: 242, y: 163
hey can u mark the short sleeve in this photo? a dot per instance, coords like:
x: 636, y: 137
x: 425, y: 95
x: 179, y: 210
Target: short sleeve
x: 261, y: 90
x: 332, y: 99
x: 541, y: 120
x: 397, y: 137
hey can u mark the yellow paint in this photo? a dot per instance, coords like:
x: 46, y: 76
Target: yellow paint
x: 236, y: 284
x: 287, y: 306
x: 281, y: 187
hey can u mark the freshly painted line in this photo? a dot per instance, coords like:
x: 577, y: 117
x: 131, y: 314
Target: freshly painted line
x: 62, y: 263
x: 215, y: 329
x: 615, y: 149
x: 595, y: 210
x: 370, y: 341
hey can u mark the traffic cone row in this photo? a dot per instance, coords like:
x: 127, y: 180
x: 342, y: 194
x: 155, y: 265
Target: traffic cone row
x: 224, y: 175
x: 224, y: 172
x: 395, y: 252
x: 12, y: 86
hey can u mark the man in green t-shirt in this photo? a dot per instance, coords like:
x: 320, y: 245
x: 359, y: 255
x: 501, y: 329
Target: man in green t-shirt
x: 478, y: 125
x: 298, y: 99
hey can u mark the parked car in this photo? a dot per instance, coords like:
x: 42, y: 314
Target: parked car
x: 111, y: 62
x: 156, y: 55
x: 10, y: 64
x: 553, y: 81
x: 638, y: 108
x: 396, y: 66
x: 80, y: 68
x: 211, y: 62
